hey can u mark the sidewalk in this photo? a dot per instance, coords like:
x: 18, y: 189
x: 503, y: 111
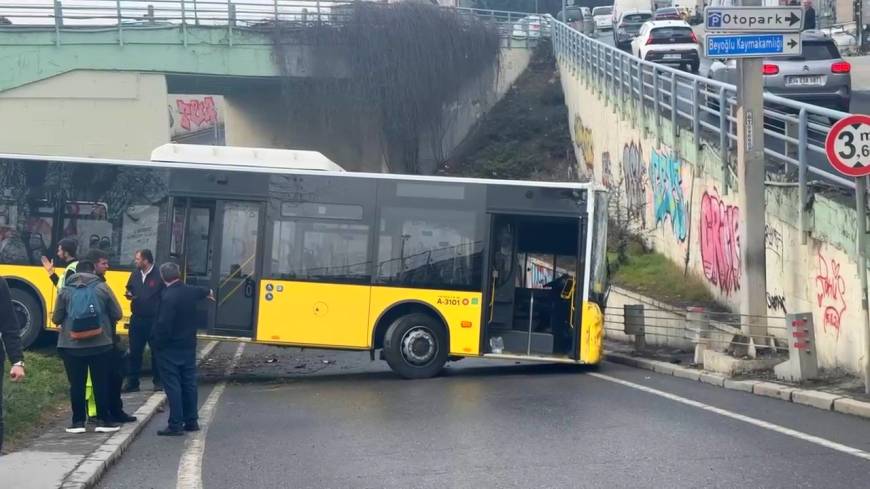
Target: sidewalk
x: 57, y: 459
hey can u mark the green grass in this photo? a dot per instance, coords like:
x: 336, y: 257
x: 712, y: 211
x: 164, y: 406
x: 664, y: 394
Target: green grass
x: 654, y: 275
x: 30, y: 402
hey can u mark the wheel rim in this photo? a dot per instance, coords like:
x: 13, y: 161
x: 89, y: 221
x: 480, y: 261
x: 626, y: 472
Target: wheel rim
x: 419, y: 346
x: 22, y: 314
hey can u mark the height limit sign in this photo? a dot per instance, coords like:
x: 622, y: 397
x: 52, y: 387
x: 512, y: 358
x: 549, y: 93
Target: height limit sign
x: 848, y: 145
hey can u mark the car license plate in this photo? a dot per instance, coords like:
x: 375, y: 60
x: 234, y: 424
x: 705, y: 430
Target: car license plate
x: 805, y: 81
x: 672, y: 56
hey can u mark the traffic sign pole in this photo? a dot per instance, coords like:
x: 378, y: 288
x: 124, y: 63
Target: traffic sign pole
x: 861, y: 207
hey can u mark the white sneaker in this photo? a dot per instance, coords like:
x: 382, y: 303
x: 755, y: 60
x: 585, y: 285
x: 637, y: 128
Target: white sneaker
x: 76, y: 428
x: 107, y: 427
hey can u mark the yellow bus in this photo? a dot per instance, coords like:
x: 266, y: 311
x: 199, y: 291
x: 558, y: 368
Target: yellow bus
x: 422, y: 270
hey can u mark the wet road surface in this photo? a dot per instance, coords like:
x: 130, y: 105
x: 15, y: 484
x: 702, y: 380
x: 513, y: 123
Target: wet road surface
x: 317, y: 419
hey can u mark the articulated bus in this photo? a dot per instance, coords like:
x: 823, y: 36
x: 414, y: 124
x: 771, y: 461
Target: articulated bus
x: 424, y: 270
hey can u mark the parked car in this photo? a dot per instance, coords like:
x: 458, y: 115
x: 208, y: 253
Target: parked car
x: 620, y: 7
x: 671, y: 42
x: 818, y: 76
x: 628, y: 27
x: 577, y: 18
x: 667, y: 13
x: 529, y: 27
x: 603, y: 18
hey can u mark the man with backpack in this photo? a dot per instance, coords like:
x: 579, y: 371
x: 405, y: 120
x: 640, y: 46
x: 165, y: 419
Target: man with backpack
x: 85, y: 311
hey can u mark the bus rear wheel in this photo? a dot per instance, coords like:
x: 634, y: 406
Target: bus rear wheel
x: 29, y: 315
x: 415, y: 346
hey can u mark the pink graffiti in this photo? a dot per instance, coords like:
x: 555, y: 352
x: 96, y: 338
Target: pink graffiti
x: 830, y: 293
x: 720, y: 242
x: 197, y: 112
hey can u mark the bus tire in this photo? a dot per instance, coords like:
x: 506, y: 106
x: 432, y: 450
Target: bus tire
x: 415, y: 346
x: 29, y: 314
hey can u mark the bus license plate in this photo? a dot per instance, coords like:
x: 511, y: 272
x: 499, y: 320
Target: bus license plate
x: 805, y: 81
x: 672, y: 56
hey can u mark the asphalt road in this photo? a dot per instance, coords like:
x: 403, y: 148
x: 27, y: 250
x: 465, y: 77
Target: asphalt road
x: 289, y: 419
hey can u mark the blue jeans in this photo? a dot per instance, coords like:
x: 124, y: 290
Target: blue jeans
x: 178, y: 372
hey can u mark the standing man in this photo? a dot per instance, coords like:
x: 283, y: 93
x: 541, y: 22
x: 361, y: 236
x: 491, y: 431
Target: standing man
x: 11, y: 338
x: 85, y: 310
x: 809, y: 16
x: 66, y: 254
x: 100, y: 259
x: 143, y: 290
x: 174, y: 338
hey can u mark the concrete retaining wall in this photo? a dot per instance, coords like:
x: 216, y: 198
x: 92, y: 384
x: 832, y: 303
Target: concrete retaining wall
x: 681, y: 206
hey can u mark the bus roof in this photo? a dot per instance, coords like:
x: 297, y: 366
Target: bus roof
x: 240, y: 156
x: 223, y: 166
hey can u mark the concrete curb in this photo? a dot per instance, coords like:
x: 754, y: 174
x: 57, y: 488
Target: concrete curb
x: 818, y: 399
x: 89, y: 471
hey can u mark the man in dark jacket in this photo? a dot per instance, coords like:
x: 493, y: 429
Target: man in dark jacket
x: 91, y: 354
x: 11, y: 338
x: 143, y: 290
x: 809, y: 16
x: 66, y: 257
x: 174, y: 339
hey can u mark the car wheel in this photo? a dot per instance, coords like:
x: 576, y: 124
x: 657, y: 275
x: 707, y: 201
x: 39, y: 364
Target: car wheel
x: 694, y: 67
x: 415, y: 346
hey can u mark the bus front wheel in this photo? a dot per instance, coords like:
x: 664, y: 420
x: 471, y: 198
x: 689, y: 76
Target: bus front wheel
x: 28, y: 312
x: 415, y: 346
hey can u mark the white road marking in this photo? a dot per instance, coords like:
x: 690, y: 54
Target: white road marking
x: 190, y: 465
x: 740, y: 417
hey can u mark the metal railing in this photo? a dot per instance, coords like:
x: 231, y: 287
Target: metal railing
x: 144, y: 13
x: 703, y: 109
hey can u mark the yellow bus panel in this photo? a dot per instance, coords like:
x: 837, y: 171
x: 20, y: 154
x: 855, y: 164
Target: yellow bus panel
x: 307, y: 313
x: 461, y: 311
x: 591, y: 334
x: 117, y: 281
x: 36, y: 277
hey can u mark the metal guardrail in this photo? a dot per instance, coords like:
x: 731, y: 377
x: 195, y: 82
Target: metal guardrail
x: 145, y: 13
x: 703, y: 108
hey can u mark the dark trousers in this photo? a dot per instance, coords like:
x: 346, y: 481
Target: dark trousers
x: 77, y: 373
x: 2, y: 362
x: 178, y: 371
x: 140, y: 335
x: 115, y: 380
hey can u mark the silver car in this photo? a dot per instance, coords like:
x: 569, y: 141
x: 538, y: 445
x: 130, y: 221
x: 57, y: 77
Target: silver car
x: 818, y: 76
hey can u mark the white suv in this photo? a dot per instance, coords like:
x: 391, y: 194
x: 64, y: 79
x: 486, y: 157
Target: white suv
x: 670, y: 42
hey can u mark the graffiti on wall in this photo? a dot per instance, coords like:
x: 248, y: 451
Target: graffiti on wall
x: 634, y: 176
x: 720, y: 242
x: 669, y: 201
x: 583, y: 140
x: 773, y: 239
x: 776, y: 302
x: 607, y: 179
x: 830, y: 293
x: 190, y: 115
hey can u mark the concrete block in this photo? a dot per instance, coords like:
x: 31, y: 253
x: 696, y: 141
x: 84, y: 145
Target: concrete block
x: 740, y: 385
x: 664, y: 368
x: 722, y: 363
x: 712, y: 379
x: 851, y: 406
x: 646, y: 364
x: 687, y: 373
x: 816, y: 399
x: 777, y: 391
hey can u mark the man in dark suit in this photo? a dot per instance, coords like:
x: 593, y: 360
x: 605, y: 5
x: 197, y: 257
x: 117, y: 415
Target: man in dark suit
x: 10, y: 337
x: 174, y: 340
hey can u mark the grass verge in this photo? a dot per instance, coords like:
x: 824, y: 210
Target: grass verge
x: 654, y: 275
x: 33, y: 401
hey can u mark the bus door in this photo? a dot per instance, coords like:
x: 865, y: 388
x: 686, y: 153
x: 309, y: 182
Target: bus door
x: 238, y: 249
x: 191, y: 243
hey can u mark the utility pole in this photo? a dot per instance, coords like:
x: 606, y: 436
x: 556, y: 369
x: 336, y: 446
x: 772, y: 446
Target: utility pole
x: 859, y: 23
x: 750, y: 181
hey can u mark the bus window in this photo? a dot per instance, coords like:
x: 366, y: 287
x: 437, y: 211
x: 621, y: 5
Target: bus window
x: 437, y: 248
x: 312, y: 250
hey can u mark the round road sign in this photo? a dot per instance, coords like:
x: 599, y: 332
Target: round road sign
x: 848, y: 145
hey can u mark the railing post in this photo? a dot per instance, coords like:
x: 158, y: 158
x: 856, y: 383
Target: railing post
x: 275, y: 5
x: 231, y: 21
x: 120, y: 22
x: 183, y: 23
x: 656, y: 107
x: 696, y: 115
x: 641, y: 104
x: 803, y: 213
x: 150, y: 14
x: 622, y: 86
x: 318, y: 13
x: 724, y: 139
x: 58, y: 21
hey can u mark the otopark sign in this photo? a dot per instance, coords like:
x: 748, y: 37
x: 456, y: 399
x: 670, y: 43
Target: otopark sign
x: 754, y: 19
x: 848, y: 145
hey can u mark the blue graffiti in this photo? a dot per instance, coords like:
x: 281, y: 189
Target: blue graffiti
x: 668, y: 198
